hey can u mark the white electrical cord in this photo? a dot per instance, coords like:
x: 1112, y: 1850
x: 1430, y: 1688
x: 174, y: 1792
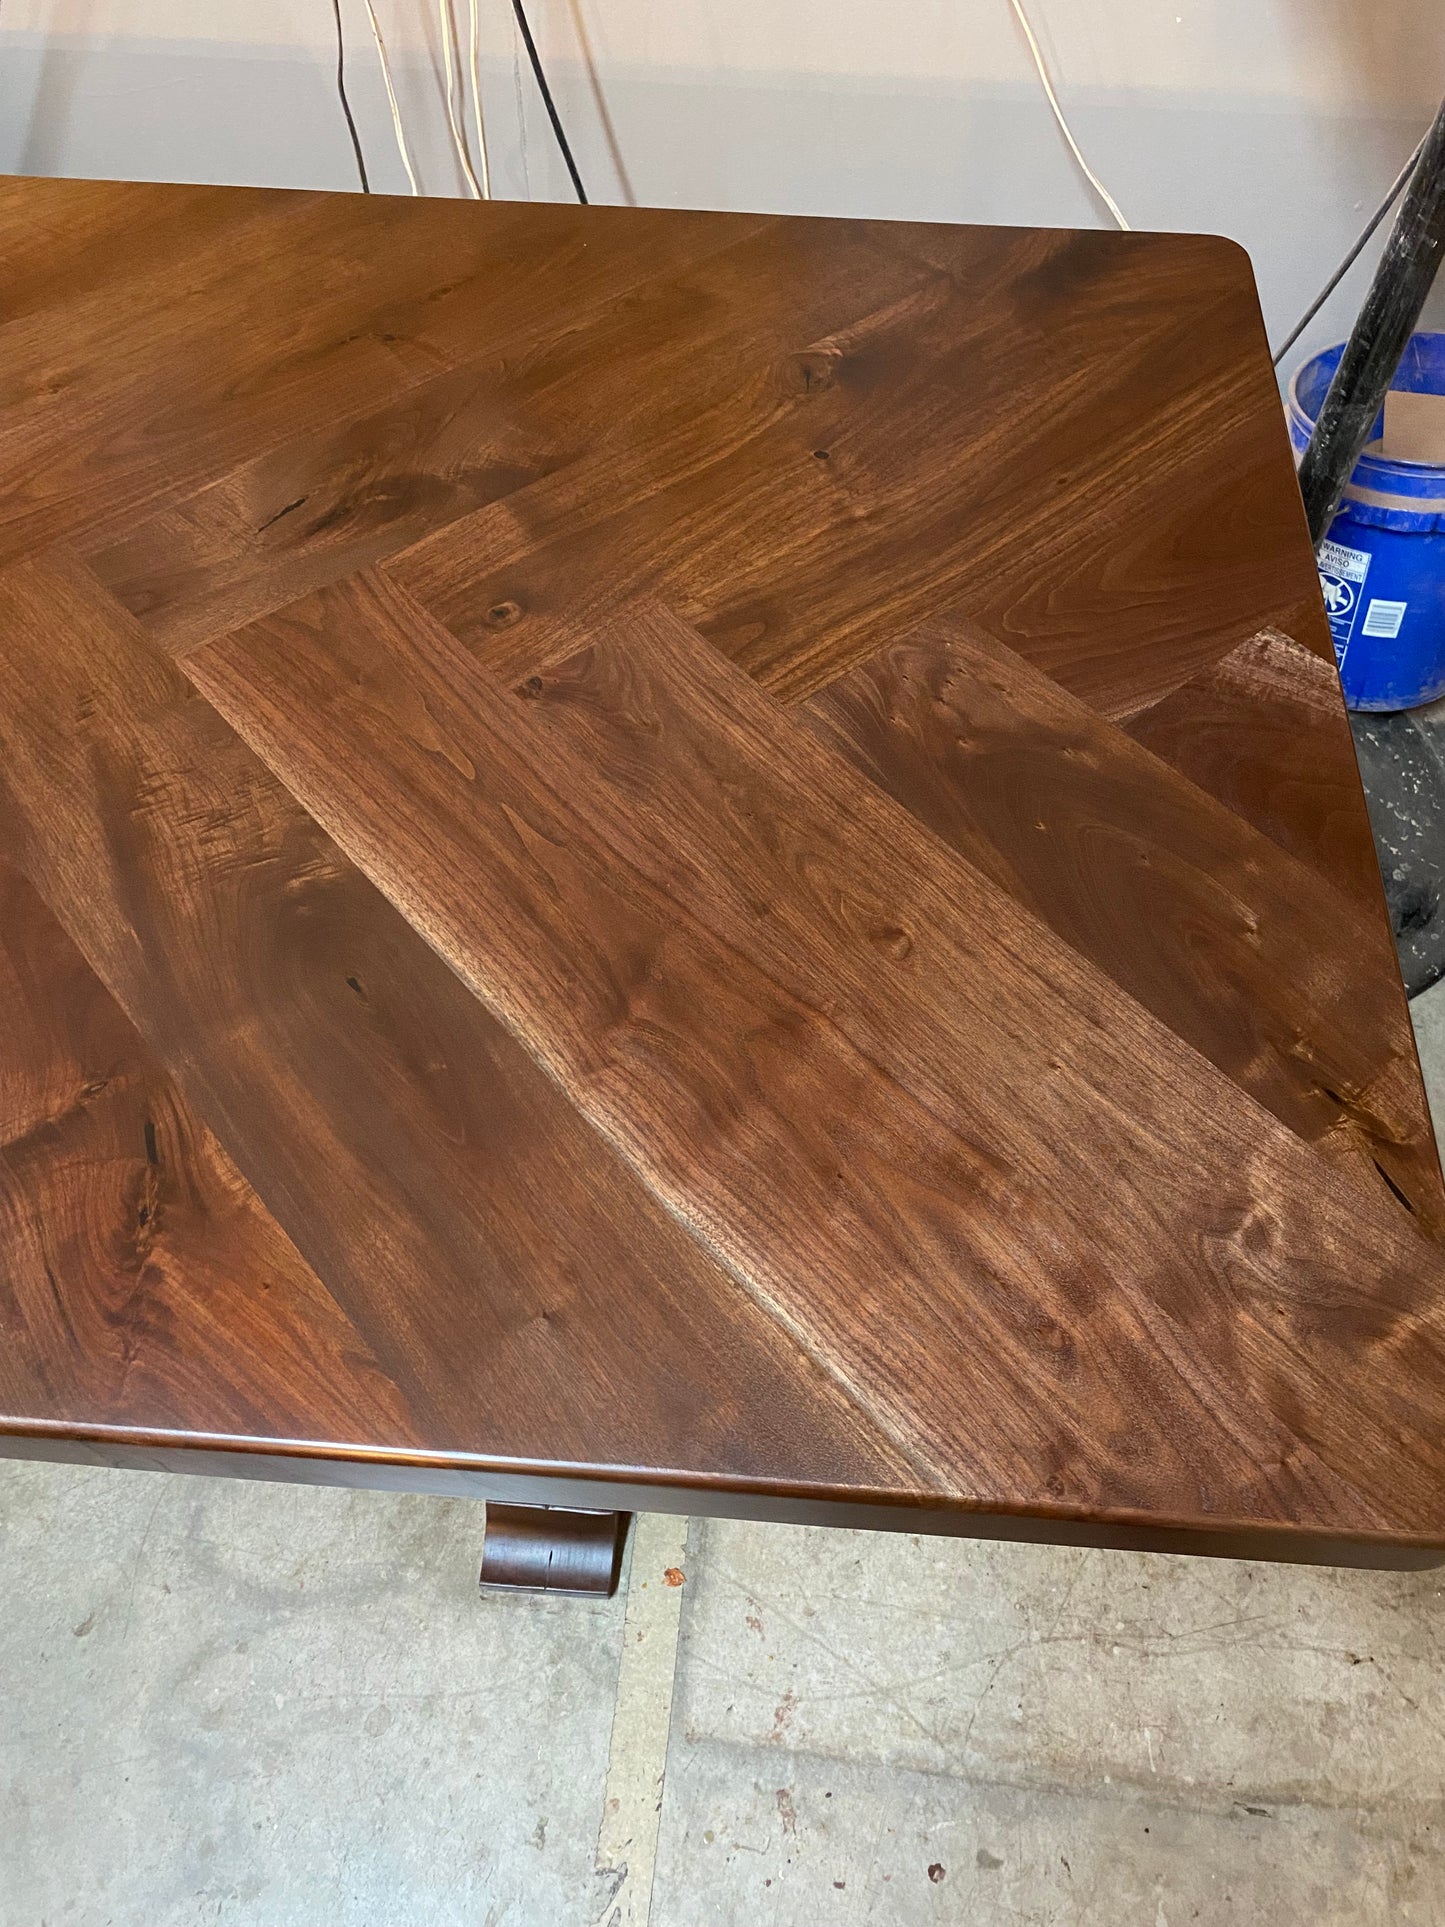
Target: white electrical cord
x: 1089, y: 175
x: 444, y: 13
x: 397, y: 127
x: 476, y: 66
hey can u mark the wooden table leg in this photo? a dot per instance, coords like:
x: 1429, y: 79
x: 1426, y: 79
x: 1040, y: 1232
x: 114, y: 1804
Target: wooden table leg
x: 545, y: 1549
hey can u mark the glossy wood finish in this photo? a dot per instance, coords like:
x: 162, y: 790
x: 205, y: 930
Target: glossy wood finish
x: 1104, y: 842
x: 467, y: 1224
x: 720, y: 857
x: 1263, y: 730
x: 548, y: 1549
x: 142, y: 1276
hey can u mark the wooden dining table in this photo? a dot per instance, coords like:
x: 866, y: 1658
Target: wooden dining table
x: 691, y: 861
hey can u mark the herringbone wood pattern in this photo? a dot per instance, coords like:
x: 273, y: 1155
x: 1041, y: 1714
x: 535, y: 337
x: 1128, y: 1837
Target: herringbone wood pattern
x: 692, y: 850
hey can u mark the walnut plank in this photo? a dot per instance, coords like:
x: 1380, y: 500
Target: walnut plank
x: 1067, y: 515
x: 647, y: 386
x: 1169, y: 892
x: 273, y: 313
x: 1264, y: 731
x: 142, y: 1275
x: 1021, y: 1227
x: 511, y: 1277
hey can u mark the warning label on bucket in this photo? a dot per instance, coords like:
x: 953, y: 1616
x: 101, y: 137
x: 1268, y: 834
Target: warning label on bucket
x: 1342, y: 578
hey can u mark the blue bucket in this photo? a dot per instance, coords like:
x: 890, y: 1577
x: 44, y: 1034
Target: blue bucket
x: 1382, y: 565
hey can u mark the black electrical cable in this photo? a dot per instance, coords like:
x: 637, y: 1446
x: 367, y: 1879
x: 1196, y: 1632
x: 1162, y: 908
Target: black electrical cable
x: 345, y: 103
x: 1396, y: 189
x: 546, y: 92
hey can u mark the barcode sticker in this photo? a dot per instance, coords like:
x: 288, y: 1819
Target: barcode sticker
x: 1383, y: 618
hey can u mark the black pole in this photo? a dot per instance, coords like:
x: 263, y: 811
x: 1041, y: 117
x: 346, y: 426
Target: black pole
x: 1377, y: 340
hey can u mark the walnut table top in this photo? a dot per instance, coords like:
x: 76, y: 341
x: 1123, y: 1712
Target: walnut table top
x: 691, y: 860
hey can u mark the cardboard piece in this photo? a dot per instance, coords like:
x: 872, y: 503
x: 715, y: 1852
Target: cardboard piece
x: 1414, y: 428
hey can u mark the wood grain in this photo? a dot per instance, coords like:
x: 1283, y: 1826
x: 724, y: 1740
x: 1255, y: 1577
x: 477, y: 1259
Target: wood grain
x: 653, y: 384
x: 464, y: 1218
x: 142, y: 1275
x: 782, y: 531
x: 297, y: 310
x: 616, y: 1033
x: 1167, y: 891
x: 1264, y: 731
x: 777, y: 995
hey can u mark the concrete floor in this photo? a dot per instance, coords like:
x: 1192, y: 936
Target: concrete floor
x: 266, y: 1706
